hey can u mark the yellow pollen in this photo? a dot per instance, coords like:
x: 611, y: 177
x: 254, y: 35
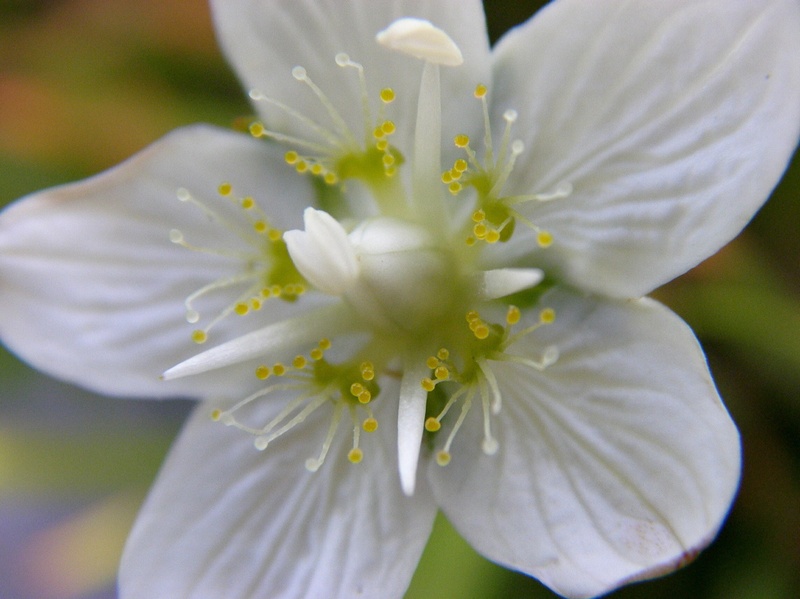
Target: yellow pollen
x: 262, y: 372
x: 356, y: 389
x: 388, y: 127
x: 241, y: 309
x: 470, y: 241
x: 544, y: 238
x: 481, y: 331
x: 480, y: 230
x: 260, y: 226
x: 216, y: 415
x: 225, y: 189
x: 493, y: 236
x: 291, y: 157
x: 382, y: 145
x: 274, y: 235
x: 473, y: 316
x: 367, y: 371
x: 316, y: 169
x: 432, y: 425
x: 513, y: 315
x: 443, y: 354
x: 255, y: 304
x: 387, y: 95
x: 330, y: 178
x: 547, y: 316
x: 299, y: 362
x: 377, y: 133
x: 443, y: 458
x: 279, y: 369
x: 461, y: 141
x: 355, y: 455
x: 388, y: 160
x: 257, y: 129
x: 442, y: 373
x: 199, y: 336
x: 364, y: 397
x: 324, y: 344
x: 478, y: 216
x: 370, y: 425
x: 447, y: 177
x: 390, y: 171
x: 432, y: 362
x: 428, y: 384
x: 480, y: 90
x: 301, y: 166
x: 454, y: 187
x: 460, y: 165
x: 248, y: 203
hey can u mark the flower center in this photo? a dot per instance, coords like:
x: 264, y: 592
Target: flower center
x: 407, y: 284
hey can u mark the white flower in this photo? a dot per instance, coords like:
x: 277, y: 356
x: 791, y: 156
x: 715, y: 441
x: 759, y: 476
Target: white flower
x: 376, y: 312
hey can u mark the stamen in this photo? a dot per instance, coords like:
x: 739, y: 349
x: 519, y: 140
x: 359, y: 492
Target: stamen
x: 300, y: 74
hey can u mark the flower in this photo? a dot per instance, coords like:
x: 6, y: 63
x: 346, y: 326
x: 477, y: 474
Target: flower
x: 377, y: 301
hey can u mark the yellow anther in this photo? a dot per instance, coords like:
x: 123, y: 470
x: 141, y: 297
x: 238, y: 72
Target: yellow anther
x: 301, y: 166
x: 390, y: 171
x: 447, y: 177
x: 216, y: 415
x: 460, y: 165
x: 274, y: 235
x: 547, y: 315
x: 279, y: 369
x: 544, y: 238
x: 443, y: 354
x: 481, y: 331
x: 493, y: 236
x: 370, y: 425
x: 316, y: 354
x: 442, y: 373
x: 364, y: 397
x: 367, y: 371
x: 480, y: 230
x: 432, y: 362
x: 480, y: 90
x: 478, y: 216
x: 454, y: 187
x: 316, y: 169
x: 262, y: 372
x: 473, y: 316
x: 225, y: 189
x: 428, y: 385
x: 199, y: 336
x: 461, y: 141
x: 432, y: 425
x: 443, y: 458
x: 241, y: 309
x: 382, y: 144
x: 260, y: 226
x: 378, y: 133
x: 470, y: 241
x: 388, y: 160
x: 513, y: 315
x: 324, y: 344
x: 291, y: 157
x: 454, y: 174
x: 257, y: 129
x: 356, y: 389
x: 266, y: 292
x: 388, y: 127
x: 276, y: 290
x: 248, y: 203
x: 330, y: 178
x: 255, y: 303
x: 387, y: 95
x: 355, y: 455
x: 299, y: 362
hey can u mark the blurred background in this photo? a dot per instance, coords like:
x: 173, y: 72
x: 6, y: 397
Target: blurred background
x: 86, y: 83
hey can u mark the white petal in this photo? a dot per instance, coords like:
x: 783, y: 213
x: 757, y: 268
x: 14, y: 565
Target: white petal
x: 225, y: 520
x: 265, y: 40
x: 672, y: 120
x: 421, y: 39
x: 92, y: 289
x: 617, y: 462
x: 323, y: 253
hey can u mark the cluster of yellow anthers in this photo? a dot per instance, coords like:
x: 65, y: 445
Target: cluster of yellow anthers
x: 477, y: 378
x: 257, y: 231
x: 318, y: 383
x: 333, y: 152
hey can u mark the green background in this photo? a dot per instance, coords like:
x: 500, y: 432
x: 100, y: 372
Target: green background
x: 85, y: 84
